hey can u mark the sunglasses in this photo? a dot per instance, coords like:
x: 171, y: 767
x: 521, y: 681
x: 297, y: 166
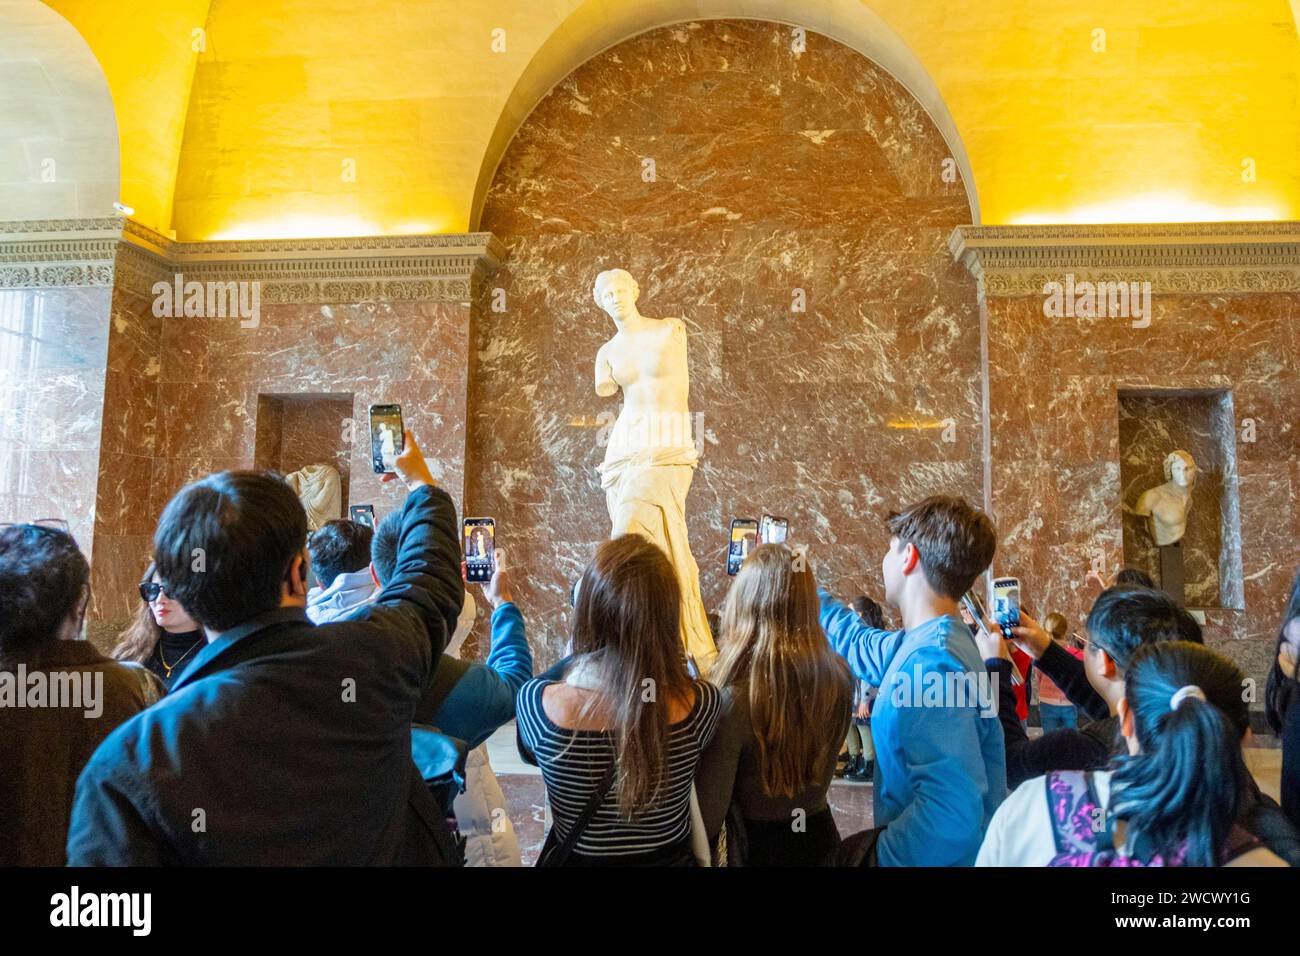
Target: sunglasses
x: 150, y: 590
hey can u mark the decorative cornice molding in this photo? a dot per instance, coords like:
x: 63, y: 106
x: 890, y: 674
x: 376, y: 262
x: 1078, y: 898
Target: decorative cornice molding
x: 60, y: 228
x: 1204, y: 257
x: 441, y: 267
x: 44, y: 253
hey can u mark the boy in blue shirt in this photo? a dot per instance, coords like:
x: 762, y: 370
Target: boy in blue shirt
x: 940, y: 760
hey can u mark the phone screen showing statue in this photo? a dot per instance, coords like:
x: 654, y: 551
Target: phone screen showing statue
x: 385, y: 436
x: 480, y: 547
x: 1006, y: 603
x: 363, y: 514
x: 744, y: 538
x: 773, y: 530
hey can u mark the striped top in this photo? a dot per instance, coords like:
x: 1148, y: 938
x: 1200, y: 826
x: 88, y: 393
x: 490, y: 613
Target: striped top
x: 573, y: 761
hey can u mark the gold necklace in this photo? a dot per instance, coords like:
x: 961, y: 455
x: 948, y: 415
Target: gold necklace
x: 170, y: 667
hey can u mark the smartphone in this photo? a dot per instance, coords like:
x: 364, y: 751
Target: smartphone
x: 363, y: 514
x: 1006, y: 603
x: 773, y: 530
x: 972, y: 605
x: 744, y: 538
x: 976, y: 610
x: 386, y: 437
x: 480, y: 536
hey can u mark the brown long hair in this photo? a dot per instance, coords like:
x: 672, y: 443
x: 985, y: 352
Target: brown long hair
x: 137, y: 642
x: 626, y: 621
x: 773, y: 650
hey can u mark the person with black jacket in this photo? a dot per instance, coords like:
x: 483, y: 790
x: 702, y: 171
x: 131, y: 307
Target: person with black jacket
x: 1122, y: 621
x: 284, y: 743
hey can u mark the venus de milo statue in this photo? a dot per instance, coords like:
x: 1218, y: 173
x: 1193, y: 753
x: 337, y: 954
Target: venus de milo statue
x: 651, y: 454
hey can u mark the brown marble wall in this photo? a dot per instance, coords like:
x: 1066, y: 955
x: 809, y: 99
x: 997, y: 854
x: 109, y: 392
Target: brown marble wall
x: 210, y: 374
x: 124, y: 516
x: 1055, y: 433
x: 773, y: 173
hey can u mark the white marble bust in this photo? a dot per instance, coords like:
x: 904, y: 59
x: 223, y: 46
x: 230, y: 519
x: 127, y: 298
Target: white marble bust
x: 1165, y: 506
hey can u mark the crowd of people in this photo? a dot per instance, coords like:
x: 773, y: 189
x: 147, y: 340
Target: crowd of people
x: 248, y: 717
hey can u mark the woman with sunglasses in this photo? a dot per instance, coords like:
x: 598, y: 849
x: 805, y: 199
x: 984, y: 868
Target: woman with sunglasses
x: 162, y: 637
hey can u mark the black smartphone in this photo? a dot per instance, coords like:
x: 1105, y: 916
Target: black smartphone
x: 743, y: 539
x: 479, y: 535
x: 1006, y: 604
x: 386, y: 436
x: 773, y: 529
x: 363, y: 514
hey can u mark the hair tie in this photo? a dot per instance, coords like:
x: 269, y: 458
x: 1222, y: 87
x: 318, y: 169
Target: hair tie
x: 1180, y: 695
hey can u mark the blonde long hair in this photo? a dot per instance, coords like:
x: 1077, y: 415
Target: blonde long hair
x: 773, y: 650
x: 137, y: 642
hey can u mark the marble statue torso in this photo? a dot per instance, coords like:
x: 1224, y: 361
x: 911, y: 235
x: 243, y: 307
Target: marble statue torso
x: 1165, y: 507
x: 319, y: 488
x: 650, y: 365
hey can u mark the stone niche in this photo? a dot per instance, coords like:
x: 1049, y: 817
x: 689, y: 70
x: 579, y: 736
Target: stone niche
x: 1152, y: 423
x: 297, y: 430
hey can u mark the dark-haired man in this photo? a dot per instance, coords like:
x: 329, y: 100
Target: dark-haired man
x: 340, y: 557
x: 940, y: 770
x: 283, y: 743
x: 72, y: 697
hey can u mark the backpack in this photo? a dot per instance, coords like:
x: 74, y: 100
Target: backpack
x: 1083, y: 829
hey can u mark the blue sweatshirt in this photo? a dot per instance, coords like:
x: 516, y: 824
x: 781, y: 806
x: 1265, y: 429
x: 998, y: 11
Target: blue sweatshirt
x: 940, y: 764
x: 484, y: 697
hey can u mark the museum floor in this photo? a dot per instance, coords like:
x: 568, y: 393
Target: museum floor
x: 851, y: 802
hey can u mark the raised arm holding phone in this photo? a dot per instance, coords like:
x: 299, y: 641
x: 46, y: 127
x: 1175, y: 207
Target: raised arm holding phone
x: 284, y: 743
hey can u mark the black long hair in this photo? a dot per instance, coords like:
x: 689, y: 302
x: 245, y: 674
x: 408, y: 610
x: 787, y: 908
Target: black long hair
x: 1279, y: 688
x: 1183, y: 791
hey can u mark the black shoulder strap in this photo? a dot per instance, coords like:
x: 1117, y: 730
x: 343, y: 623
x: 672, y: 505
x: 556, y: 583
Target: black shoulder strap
x: 1106, y: 837
x: 559, y: 855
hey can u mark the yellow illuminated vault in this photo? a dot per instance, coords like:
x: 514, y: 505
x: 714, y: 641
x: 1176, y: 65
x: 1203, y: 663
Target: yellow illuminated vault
x: 278, y: 119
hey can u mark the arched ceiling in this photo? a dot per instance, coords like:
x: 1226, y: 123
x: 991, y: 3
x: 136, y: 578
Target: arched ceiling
x: 58, y: 140
x: 330, y: 117
x: 148, y: 59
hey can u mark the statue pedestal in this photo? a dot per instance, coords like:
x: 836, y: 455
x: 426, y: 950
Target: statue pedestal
x: 1171, y: 571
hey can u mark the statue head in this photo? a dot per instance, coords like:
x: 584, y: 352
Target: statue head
x: 616, y: 292
x: 1180, y: 468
